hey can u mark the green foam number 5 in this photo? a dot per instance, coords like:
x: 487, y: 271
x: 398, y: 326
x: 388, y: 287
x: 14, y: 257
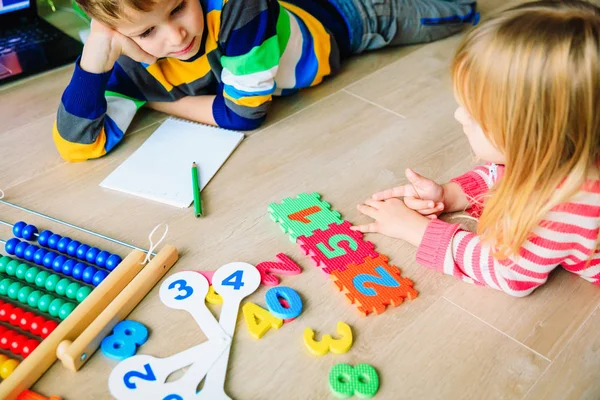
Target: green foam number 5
x: 361, y: 380
x: 337, y: 250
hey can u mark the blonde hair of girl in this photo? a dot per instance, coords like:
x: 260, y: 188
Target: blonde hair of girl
x: 530, y: 77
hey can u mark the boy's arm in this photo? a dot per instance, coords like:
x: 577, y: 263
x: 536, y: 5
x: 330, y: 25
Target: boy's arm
x: 95, y: 112
x: 253, y: 35
x: 193, y: 108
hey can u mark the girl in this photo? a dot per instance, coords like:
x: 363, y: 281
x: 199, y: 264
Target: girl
x: 528, y: 85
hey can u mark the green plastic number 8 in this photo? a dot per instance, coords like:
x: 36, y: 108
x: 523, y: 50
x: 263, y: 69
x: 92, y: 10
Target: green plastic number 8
x: 361, y: 380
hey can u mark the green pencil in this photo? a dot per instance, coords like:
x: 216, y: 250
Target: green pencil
x: 196, y: 190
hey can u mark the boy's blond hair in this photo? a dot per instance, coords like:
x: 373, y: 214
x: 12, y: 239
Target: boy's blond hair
x: 110, y: 11
x: 530, y: 77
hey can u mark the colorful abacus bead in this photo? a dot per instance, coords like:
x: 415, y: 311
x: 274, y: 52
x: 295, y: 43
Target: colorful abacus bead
x: 53, y: 241
x: 91, y: 254
x: 28, y: 232
x: 30, y: 252
x: 7, y: 366
x: 18, y: 228
x: 82, y: 251
x: 63, y: 244
x: 38, y: 256
x: 101, y: 258
x: 72, y: 248
x: 43, y: 237
x: 99, y: 277
x: 112, y: 261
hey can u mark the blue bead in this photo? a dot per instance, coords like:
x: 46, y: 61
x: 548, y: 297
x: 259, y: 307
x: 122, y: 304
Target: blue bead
x: 43, y: 237
x: 29, y: 232
x: 58, y: 263
x: 99, y: 277
x: 101, y: 258
x: 49, y: 259
x: 18, y: 228
x: 78, y: 270
x: 53, y: 240
x: 20, y: 249
x: 10, y: 245
x: 30, y: 252
x: 88, y: 274
x: 62, y: 244
x: 67, y: 267
x: 72, y: 248
x: 38, y: 256
x: 82, y: 250
x: 112, y: 261
x: 91, y: 254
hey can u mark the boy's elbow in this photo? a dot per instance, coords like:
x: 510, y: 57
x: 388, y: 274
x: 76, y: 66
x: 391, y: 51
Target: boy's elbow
x: 77, y: 152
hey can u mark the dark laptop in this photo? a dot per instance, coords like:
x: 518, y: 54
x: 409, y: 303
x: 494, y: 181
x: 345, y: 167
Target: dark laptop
x: 30, y: 45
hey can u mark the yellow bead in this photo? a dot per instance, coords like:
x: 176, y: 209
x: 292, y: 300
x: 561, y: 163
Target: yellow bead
x: 7, y: 368
x: 3, y: 358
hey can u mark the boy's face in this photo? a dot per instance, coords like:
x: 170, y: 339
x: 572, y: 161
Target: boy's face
x: 172, y: 29
x: 483, y: 148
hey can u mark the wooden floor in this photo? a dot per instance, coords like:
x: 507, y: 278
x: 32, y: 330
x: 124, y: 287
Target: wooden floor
x: 346, y: 139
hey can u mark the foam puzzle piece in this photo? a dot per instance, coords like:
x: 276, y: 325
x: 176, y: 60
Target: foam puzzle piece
x: 285, y: 304
x: 208, y: 275
x: 213, y: 297
x: 285, y: 266
x: 361, y: 381
x: 327, y: 343
x: 302, y: 215
x: 336, y: 247
x: 292, y: 298
x: 127, y: 336
x: 259, y: 321
x: 374, y: 284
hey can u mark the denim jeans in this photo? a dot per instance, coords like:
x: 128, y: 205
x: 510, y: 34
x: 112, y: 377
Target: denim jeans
x: 373, y: 24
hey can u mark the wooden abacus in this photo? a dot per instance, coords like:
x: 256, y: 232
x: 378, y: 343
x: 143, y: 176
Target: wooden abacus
x: 89, y: 300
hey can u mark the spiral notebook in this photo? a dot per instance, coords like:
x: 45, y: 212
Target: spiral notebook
x: 160, y: 169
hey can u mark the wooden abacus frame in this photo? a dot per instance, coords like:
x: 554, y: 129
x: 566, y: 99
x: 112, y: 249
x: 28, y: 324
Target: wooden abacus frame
x: 77, y: 337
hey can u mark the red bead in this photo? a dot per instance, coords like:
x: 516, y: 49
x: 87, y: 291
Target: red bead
x: 25, y: 321
x: 36, y: 325
x: 6, y: 339
x: 5, y: 311
x: 15, y: 316
x: 47, y: 328
x: 2, y: 329
x: 29, y: 346
x: 17, y: 342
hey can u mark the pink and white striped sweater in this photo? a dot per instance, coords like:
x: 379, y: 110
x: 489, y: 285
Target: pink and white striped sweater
x: 567, y: 236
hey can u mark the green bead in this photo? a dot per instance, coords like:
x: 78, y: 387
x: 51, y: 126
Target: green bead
x: 82, y: 293
x: 3, y: 261
x: 65, y: 310
x: 51, y: 282
x: 55, y: 306
x: 61, y: 286
x: 40, y: 278
x: 23, y: 294
x: 4, y: 284
x: 31, y: 274
x: 13, y: 289
x: 21, y: 271
x: 11, y: 267
x: 72, y: 290
x: 44, y: 303
x: 34, y: 298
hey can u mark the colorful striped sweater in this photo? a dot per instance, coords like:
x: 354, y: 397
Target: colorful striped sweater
x: 251, y: 50
x: 567, y: 236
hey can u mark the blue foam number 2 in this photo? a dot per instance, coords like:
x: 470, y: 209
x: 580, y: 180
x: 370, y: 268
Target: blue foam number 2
x: 234, y: 280
x: 149, y: 376
x: 385, y: 279
x: 182, y: 285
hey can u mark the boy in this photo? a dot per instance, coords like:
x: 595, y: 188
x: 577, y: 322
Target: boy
x: 219, y: 62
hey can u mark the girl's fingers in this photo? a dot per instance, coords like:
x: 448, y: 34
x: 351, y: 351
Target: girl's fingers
x: 399, y: 191
x: 426, y: 211
x: 372, y: 227
x: 418, y: 204
x: 367, y: 210
x: 373, y: 203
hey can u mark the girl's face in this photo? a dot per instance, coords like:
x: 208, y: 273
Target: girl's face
x: 481, y: 145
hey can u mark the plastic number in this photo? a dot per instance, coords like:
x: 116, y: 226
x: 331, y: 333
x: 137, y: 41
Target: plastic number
x: 182, y: 285
x: 122, y: 344
x: 337, y: 250
x: 292, y: 297
x: 259, y: 320
x: 285, y: 266
x: 148, y: 376
x: 361, y: 380
x: 234, y: 280
x: 385, y: 279
x: 327, y: 343
x: 173, y: 397
x: 213, y: 297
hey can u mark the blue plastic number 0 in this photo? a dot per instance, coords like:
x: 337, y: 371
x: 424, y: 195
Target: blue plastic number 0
x: 182, y: 285
x: 385, y: 279
x: 149, y: 376
x: 173, y: 397
x: 234, y: 280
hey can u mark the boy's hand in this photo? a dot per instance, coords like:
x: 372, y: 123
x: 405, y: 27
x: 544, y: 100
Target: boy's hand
x: 421, y: 194
x: 104, y: 45
x: 393, y: 218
